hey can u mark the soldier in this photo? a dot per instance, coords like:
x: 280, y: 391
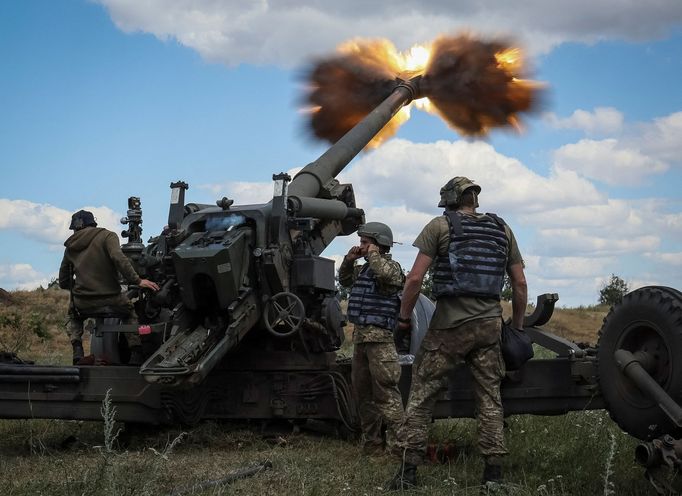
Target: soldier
x: 472, y: 251
x: 372, y: 308
x: 90, y: 267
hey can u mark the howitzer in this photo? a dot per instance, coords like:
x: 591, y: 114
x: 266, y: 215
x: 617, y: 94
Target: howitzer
x: 229, y: 270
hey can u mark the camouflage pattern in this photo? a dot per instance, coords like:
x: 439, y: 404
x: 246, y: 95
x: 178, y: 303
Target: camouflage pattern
x: 451, y: 193
x: 119, y: 304
x: 390, y: 279
x: 375, y: 368
x: 475, y: 343
x: 375, y: 376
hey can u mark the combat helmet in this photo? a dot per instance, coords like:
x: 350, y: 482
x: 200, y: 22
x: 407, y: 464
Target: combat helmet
x: 378, y: 231
x: 81, y: 219
x: 451, y: 193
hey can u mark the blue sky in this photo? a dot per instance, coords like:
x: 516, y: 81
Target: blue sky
x: 112, y: 98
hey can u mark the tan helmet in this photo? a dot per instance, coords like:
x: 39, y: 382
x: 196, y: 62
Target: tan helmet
x: 451, y: 193
x: 378, y: 231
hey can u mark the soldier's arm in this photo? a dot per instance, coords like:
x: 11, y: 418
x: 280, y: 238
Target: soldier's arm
x: 121, y: 262
x: 65, y: 274
x: 519, y: 294
x: 347, y: 273
x: 413, y: 284
x: 388, y: 273
x: 517, y: 278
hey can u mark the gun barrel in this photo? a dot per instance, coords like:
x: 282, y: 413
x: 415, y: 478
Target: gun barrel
x: 311, y: 179
x: 321, y: 208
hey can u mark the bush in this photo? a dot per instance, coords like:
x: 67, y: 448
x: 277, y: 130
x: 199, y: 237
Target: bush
x: 613, y: 291
x: 18, y: 329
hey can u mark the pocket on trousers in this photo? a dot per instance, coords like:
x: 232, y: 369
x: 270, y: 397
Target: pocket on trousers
x: 387, y: 373
x: 433, y: 364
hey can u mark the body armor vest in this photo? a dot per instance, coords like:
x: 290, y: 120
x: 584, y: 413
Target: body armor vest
x: 477, y: 258
x: 366, y: 306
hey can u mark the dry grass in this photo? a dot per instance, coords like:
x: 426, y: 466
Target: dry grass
x: 32, y: 325
x: 577, y: 324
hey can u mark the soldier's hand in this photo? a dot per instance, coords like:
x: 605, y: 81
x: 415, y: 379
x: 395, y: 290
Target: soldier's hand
x: 146, y: 283
x: 404, y: 326
x: 354, y: 253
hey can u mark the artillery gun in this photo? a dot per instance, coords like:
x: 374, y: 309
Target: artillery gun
x: 246, y: 326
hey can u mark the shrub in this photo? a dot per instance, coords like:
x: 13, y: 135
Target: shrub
x: 613, y: 291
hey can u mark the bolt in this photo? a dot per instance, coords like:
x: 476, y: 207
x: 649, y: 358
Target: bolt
x: 668, y: 441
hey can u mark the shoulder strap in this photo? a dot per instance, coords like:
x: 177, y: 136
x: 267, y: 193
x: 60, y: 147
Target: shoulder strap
x: 500, y: 221
x: 455, y: 221
x: 363, y: 268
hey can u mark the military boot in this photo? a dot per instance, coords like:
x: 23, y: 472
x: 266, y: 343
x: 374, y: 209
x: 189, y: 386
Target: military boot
x: 136, y: 355
x: 78, y: 352
x: 404, y: 479
x: 492, y: 472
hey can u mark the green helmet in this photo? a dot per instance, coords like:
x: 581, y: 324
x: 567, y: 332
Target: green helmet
x: 451, y: 193
x: 378, y: 231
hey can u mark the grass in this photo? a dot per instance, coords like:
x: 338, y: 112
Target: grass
x: 564, y: 455
x: 578, y: 453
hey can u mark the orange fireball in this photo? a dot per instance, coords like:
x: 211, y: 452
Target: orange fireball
x: 473, y: 85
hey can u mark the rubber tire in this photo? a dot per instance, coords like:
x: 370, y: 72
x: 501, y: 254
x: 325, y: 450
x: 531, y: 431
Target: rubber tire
x: 646, y: 316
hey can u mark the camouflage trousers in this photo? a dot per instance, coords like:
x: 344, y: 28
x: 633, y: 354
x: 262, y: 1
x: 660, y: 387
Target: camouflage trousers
x: 81, y: 307
x: 475, y: 343
x: 375, y: 375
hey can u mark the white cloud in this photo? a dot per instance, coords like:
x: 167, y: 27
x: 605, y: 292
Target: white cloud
x: 22, y: 276
x: 245, y: 192
x: 634, y: 150
x: 47, y: 223
x: 564, y: 242
x: 668, y: 259
x: 661, y: 138
x: 612, y: 217
x: 602, y: 121
x: 572, y: 277
x: 404, y: 222
x: 387, y: 175
x: 285, y: 32
x: 571, y: 267
x: 607, y: 161
x: 616, y: 227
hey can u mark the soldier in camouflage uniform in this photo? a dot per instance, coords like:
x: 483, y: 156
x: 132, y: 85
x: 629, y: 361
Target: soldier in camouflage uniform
x: 472, y: 252
x: 90, y: 268
x: 373, y: 306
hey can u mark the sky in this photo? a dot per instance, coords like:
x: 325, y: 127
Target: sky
x: 105, y: 99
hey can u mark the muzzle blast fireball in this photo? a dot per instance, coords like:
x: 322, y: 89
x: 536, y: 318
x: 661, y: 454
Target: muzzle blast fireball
x: 474, y: 85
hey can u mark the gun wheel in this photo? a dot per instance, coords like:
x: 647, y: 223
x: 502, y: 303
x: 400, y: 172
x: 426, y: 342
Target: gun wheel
x: 648, y: 320
x: 284, y: 314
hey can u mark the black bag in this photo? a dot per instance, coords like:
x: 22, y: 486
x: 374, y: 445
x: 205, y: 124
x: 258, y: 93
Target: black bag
x: 516, y: 345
